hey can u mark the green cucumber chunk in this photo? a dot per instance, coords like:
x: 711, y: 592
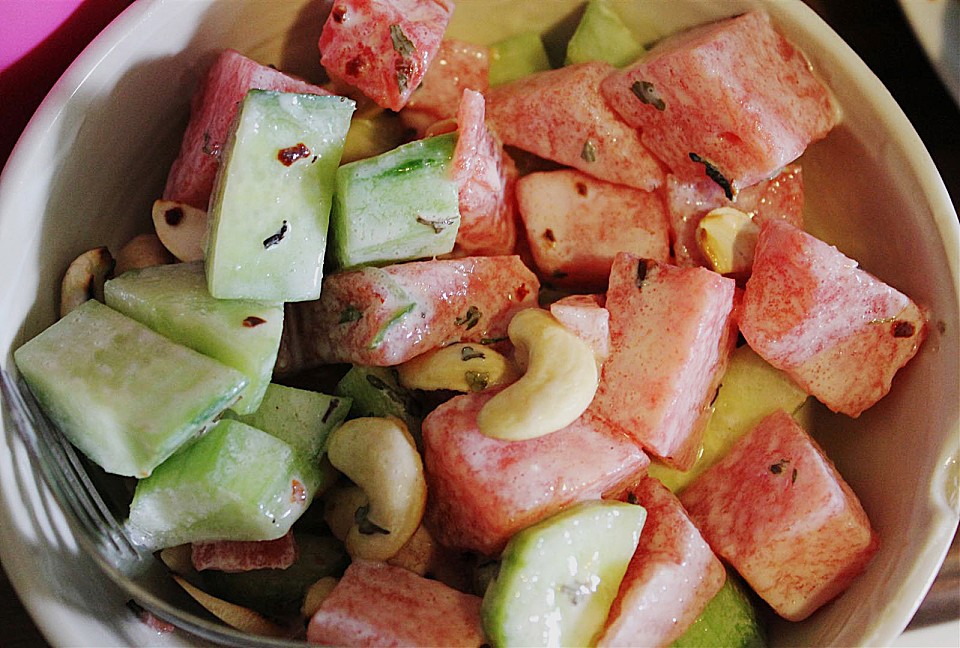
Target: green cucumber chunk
x: 398, y: 206
x: 749, y: 391
x: 173, y: 300
x: 376, y: 391
x: 557, y: 580
x: 373, y: 135
x: 234, y: 483
x: 270, y: 209
x: 729, y: 620
x: 126, y: 396
x: 602, y: 35
x: 516, y: 57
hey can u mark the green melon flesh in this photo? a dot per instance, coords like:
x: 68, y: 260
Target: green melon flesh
x: 126, y: 396
x: 376, y: 391
x: 270, y: 208
x: 557, y: 580
x: 173, y: 300
x: 602, y: 36
x: 729, y: 621
x: 516, y: 57
x: 234, y: 483
x: 397, y: 206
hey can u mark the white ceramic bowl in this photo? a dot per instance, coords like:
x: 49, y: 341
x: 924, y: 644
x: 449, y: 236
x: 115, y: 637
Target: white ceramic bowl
x: 95, y: 156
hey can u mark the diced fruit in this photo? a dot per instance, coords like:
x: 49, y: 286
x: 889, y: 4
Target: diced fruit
x: 385, y: 316
x: 213, y: 109
x: 271, y: 203
x: 556, y: 583
x: 376, y: 391
x: 727, y: 237
x: 383, y: 47
x: 458, y: 66
x: 670, y: 337
x: 124, y: 395
x: 560, y: 115
x: 173, y: 300
x: 516, y: 57
x: 730, y: 620
x: 233, y: 483
x: 732, y: 101
x: 280, y: 592
x: 749, y: 390
x: 602, y: 35
x: 776, y: 509
x: 584, y: 315
x: 839, y: 332
x: 244, y: 555
x: 371, y: 135
x: 576, y: 224
x: 397, y: 206
x: 672, y: 576
x: 483, y: 490
x: 375, y: 604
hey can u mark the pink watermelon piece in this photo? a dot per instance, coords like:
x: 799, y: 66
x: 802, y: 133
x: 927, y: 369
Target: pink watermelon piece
x: 385, y: 316
x: 839, y: 332
x: 375, y: 604
x: 671, y: 335
x: 213, y: 109
x: 670, y: 579
x: 576, y: 224
x: 778, y: 511
x: 734, y: 95
x: 383, y: 47
x: 483, y: 490
x: 457, y: 66
x: 780, y: 197
x: 559, y: 115
x: 244, y: 555
x: 487, y: 178
x: 585, y: 316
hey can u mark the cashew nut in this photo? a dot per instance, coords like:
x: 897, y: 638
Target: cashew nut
x: 728, y: 237
x: 340, y: 509
x: 316, y: 595
x: 459, y: 367
x: 181, y: 228
x: 84, y: 278
x: 560, y: 381
x: 142, y: 251
x: 380, y: 456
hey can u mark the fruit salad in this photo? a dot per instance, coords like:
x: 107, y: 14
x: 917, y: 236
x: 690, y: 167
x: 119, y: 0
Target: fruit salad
x: 468, y: 344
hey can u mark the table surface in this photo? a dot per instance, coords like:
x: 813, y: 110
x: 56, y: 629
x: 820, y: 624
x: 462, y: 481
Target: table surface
x: 875, y: 29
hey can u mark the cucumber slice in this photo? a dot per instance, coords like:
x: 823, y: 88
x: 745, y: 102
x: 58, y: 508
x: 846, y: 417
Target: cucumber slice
x: 730, y: 620
x: 516, y: 57
x: 558, y: 578
x: 270, y: 208
x: 373, y: 135
x: 602, y: 35
x: 397, y: 206
x: 126, y: 396
x: 376, y: 391
x: 234, y: 483
x: 173, y: 300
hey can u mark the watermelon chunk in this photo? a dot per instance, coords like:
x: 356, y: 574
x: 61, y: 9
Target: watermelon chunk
x: 385, y: 316
x: 576, y: 224
x: 383, y: 47
x: 585, y: 316
x: 483, y: 490
x: 732, y: 100
x: 234, y: 556
x: 560, y: 115
x: 458, y: 66
x: 213, y: 109
x: 671, y: 336
x: 778, y: 511
x: 375, y: 604
x: 670, y: 579
x: 688, y: 202
x: 839, y: 332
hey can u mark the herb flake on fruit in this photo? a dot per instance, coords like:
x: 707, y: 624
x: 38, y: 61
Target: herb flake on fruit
x: 589, y: 152
x: 469, y: 353
x: 350, y: 314
x: 713, y: 172
x: 437, y: 225
x: 470, y: 319
x: 778, y: 467
x: 646, y: 93
x: 253, y: 321
x: 641, y: 272
x: 273, y: 239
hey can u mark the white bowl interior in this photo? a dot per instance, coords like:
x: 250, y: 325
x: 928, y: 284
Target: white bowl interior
x: 96, y: 154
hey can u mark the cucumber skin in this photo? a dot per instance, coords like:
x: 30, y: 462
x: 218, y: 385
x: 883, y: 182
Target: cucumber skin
x: 383, y: 206
x: 505, y: 614
x: 730, y: 620
x: 126, y: 396
x: 516, y: 57
x: 257, y: 198
x: 173, y: 300
x: 234, y: 483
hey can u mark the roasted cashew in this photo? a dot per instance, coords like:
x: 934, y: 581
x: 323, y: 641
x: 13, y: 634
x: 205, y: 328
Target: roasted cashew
x: 142, y: 251
x: 560, y: 381
x: 340, y: 509
x: 380, y: 456
x: 458, y: 367
x: 316, y: 595
x: 728, y: 237
x: 84, y: 278
x: 181, y: 228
